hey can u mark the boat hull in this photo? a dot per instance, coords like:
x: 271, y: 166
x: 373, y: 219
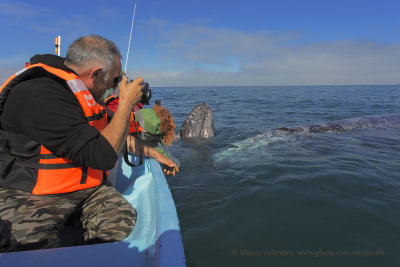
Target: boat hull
x: 155, y: 241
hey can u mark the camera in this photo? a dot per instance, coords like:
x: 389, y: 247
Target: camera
x: 146, y: 94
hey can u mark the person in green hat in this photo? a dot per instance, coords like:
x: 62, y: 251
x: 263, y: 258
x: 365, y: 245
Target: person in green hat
x: 157, y: 130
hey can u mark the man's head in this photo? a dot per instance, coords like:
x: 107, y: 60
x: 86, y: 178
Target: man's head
x: 97, y: 61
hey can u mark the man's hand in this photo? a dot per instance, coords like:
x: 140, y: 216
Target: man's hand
x: 117, y: 130
x: 130, y: 94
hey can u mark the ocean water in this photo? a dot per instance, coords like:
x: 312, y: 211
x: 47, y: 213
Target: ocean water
x: 257, y: 197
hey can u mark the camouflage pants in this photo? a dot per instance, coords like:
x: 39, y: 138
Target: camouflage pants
x: 88, y: 216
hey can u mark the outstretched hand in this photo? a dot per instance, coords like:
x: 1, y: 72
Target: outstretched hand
x: 170, y: 170
x: 134, y: 147
x: 169, y: 166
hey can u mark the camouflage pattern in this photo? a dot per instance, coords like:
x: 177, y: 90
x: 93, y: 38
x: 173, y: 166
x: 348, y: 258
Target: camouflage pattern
x: 107, y: 216
x: 93, y: 215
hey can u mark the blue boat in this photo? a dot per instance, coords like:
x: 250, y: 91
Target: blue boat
x: 155, y: 241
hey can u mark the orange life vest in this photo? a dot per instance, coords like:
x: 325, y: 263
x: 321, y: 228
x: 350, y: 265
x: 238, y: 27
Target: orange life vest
x: 47, y: 173
x: 134, y: 126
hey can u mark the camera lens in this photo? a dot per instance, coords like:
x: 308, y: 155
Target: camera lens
x: 146, y: 95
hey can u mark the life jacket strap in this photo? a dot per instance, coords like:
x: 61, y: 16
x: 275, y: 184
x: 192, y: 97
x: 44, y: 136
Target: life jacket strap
x: 47, y: 166
x: 48, y: 156
x: 84, y: 175
x: 97, y: 116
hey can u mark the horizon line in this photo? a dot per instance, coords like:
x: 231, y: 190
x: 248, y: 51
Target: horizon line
x: 328, y: 85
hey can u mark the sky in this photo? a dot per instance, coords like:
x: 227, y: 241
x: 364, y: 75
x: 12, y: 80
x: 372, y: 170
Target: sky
x: 219, y: 42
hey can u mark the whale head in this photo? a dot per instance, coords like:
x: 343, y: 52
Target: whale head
x: 198, y: 123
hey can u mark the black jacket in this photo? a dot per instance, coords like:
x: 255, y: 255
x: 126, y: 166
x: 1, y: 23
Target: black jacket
x: 46, y: 111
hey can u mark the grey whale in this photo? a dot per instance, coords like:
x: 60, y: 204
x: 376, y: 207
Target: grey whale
x: 390, y: 120
x: 245, y: 149
x: 198, y: 123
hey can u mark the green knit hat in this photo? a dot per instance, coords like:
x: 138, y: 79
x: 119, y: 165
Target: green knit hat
x: 150, y: 120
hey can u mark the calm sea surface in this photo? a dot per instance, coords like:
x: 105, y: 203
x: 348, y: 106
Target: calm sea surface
x: 250, y: 198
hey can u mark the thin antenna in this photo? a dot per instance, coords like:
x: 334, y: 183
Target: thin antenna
x: 130, y: 37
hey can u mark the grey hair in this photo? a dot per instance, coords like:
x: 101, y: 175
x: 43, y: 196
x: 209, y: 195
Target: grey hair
x: 93, y: 51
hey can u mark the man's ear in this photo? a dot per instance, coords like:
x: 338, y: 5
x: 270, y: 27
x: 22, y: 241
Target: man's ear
x: 95, y: 73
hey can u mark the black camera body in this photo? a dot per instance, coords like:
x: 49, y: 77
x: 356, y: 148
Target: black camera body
x: 146, y: 94
x: 145, y: 100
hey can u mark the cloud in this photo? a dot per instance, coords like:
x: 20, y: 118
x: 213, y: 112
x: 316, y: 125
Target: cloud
x: 189, y: 54
x: 9, y: 66
x: 210, y: 45
x: 15, y: 9
x: 32, y: 18
x: 184, y: 53
x: 108, y: 12
x: 24, y: 16
x: 43, y: 29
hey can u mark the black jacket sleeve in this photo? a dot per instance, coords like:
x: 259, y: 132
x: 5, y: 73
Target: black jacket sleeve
x: 50, y: 114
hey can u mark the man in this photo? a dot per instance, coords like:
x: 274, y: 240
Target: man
x: 56, y: 146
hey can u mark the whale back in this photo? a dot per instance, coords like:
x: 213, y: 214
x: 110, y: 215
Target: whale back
x: 391, y: 120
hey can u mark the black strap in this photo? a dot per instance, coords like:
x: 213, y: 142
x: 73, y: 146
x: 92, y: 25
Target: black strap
x: 84, y: 175
x: 7, y: 163
x: 141, y: 150
x: 126, y: 159
x: 110, y: 99
x: 47, y: 166
x: 97, y: 116
x: 48, y: 156
x: 9, y: 160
